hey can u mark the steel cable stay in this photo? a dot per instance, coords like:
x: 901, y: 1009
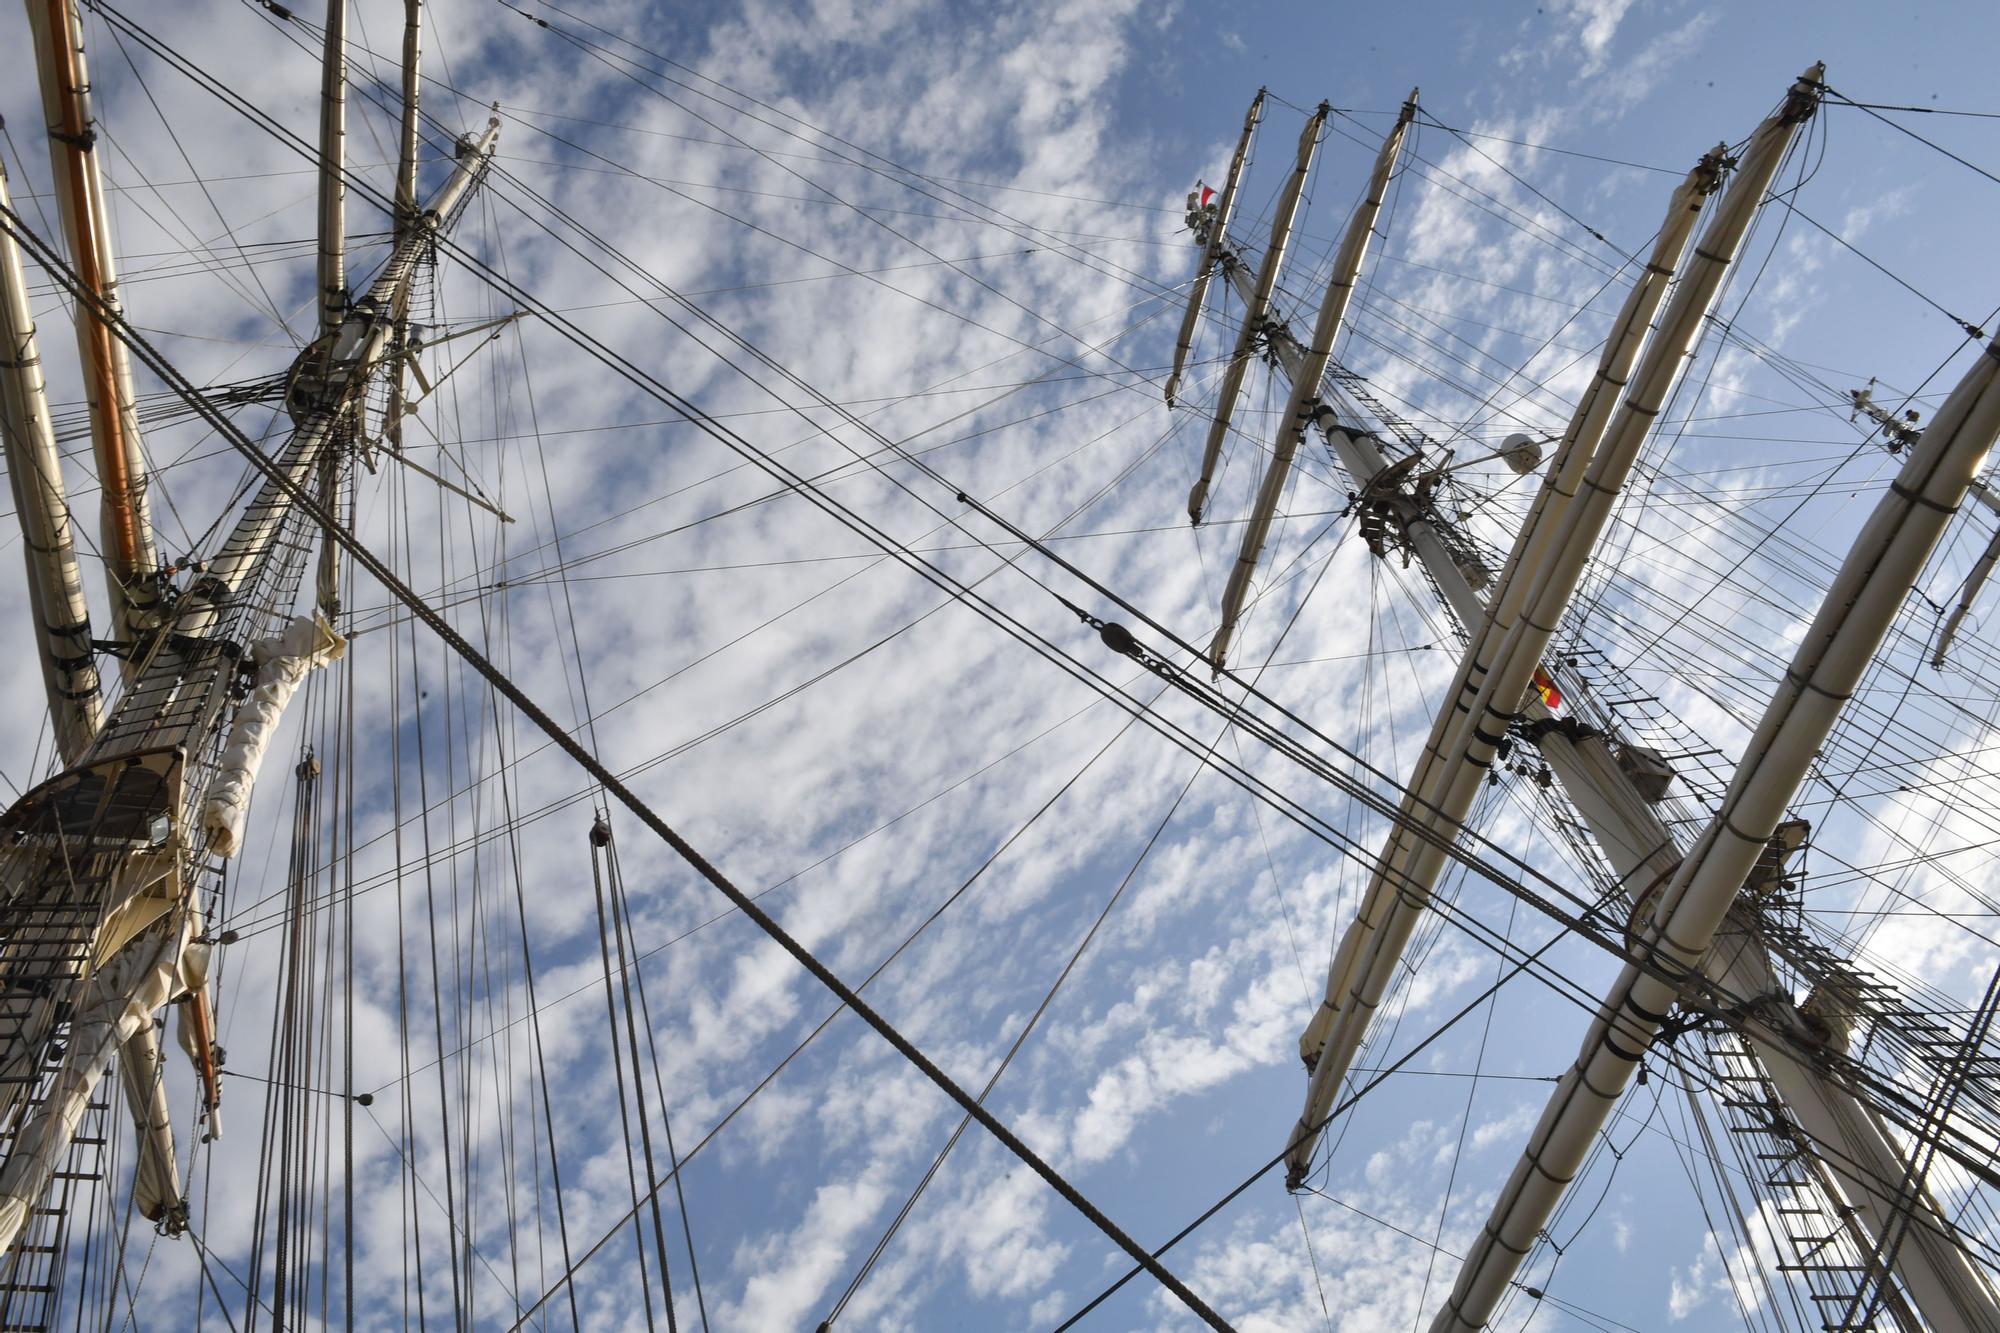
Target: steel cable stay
x: 1883, y: 1095
x: 600, y: 835
x: 1717, y: 642
x: 370, y: 562
x: 834, y: 473
x: 718, y: 729
x: 1027, y: 1029
x: 581, y: 706
x: 580, y: 796
x: 503, y: 732
x: 268, y: 305
x: 511, y: 7
x: 499, y: 682
x: 510, y: 833
x: 1491, y: 206
x: 930, y: 1173
x: 606, y: 56
x: 838, y: 472
x: 1340, y: 1108
x: 1875, y: 111
x: 1083, y: 243
x: 831, y: 195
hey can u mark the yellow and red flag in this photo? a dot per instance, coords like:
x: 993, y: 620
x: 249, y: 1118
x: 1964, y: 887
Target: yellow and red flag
x: 1545, y: 685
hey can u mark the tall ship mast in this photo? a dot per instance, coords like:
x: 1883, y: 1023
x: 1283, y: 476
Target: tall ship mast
x: 705, y: 714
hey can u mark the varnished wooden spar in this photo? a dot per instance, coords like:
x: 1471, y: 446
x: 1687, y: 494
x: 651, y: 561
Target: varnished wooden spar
x: 1214, y: 236
x: 407, y: 215
x: 1259, y: 310
x: 129, y: 555
x: 1305, y: 386
x: 332, y: 170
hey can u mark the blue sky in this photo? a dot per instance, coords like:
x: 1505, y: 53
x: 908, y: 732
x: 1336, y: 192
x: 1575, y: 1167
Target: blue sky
x: 1164, y: 1071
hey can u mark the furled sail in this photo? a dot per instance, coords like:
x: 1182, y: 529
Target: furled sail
x: 1259, y: 310
x: 282, y: 662
x: 119, y: 999
x: 1305, y: 386
x: 1217, y: 229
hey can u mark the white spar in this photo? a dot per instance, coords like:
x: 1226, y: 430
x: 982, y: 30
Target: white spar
x: 1857, y: 612
x: 1259, y: 309
x: 1455, y: 757
x: 1216, y: 234
x: 1542, y: 576
x: 1305, y: 385
x: 1982, y: 570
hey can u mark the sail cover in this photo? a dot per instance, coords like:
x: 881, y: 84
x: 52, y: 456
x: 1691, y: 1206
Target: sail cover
x: 282, y: 662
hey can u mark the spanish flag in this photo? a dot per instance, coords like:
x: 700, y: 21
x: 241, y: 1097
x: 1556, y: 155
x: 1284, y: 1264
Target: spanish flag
x: 1545, y: 686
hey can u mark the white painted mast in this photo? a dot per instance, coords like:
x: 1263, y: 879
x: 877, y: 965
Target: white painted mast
x: 34, y: 471
x: 131, y: 562
x: 1537, y: 582
x: 1857, y: 612
x: 1258, y: 310
x: 1459, y: 753
x: 1624, y: 822
x: 1213, y: 230
x: 1304, y: 397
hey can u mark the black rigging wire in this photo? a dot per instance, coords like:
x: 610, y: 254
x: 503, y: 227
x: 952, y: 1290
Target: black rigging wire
x: 1872, y: 110
x: 504, y: 686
